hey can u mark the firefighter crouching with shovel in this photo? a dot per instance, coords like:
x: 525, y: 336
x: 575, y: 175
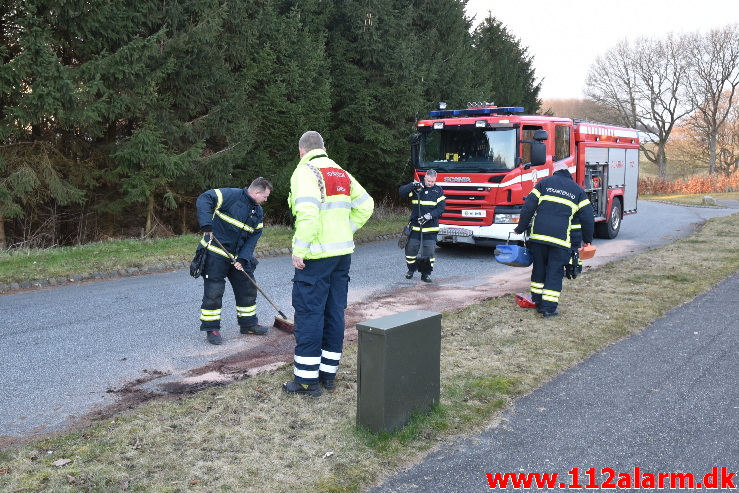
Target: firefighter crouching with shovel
x: 234, y: 216
x: 427, y: 205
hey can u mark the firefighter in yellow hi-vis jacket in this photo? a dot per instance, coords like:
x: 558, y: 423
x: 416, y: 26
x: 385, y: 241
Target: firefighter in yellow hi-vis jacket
x: 329, y: 205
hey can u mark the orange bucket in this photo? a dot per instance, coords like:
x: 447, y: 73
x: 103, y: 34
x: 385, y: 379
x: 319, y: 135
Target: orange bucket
x: 587, y: 252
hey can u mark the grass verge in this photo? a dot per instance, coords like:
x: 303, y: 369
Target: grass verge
x: 32, y: 264
x: 690, y: 199
x: 248, y: 436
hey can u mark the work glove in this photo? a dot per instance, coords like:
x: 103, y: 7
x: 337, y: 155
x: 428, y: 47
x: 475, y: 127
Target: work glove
x: 421, y: 221
x: 417, y: 186
x: 427, y: 216
x: 245, y: 264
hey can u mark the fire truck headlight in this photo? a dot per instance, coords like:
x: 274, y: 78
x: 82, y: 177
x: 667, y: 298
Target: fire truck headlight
x: 507, y: 218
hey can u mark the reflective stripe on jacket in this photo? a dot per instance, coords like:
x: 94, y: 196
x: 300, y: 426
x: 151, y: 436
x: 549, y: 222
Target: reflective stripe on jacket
x: 553, y: 203
x: 237, y: 221
x: 328, y: 208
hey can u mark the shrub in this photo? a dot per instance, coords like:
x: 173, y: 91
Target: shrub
x: 690, y: 186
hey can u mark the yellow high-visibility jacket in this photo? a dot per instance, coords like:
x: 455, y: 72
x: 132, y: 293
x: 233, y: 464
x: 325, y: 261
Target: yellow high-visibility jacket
x: 329, y: 205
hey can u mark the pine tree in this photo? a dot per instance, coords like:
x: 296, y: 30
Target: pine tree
x: 137, y: 107
x: 447, y: 59
x: 286, y: 89
x: 189, y: 85
x: 505, y: 69
x: 376, y: 95
x: 41, y: 104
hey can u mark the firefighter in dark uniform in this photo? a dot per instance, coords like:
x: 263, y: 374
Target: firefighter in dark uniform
x: 428, y: 203
x: 550, y: 209
x: 235, y: 217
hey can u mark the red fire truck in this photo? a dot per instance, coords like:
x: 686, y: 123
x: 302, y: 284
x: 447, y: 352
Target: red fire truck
x: 488, y: 158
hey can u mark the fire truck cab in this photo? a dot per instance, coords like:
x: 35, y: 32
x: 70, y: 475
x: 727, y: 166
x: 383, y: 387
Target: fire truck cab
x: 488, y: 159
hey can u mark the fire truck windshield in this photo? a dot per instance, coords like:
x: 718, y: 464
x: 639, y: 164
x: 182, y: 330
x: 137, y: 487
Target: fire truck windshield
x: 468, y: 149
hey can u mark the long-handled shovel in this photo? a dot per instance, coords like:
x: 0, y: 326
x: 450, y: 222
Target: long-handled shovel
x: 281, y: 322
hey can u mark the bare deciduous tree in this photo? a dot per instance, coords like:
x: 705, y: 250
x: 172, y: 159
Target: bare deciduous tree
x: 645, y: 85
x: 727, y: 145
x: 579, y: 109
x: 713, y: 81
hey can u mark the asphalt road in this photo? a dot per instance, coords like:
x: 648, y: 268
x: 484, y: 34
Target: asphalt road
x: 65, y: 348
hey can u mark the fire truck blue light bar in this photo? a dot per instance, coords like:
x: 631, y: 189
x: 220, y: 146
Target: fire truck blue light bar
x: 476, y: 111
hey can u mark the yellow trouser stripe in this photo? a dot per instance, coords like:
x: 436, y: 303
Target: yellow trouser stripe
x: 210, y: 315
x: 549, y: 295
x: 246, y: 311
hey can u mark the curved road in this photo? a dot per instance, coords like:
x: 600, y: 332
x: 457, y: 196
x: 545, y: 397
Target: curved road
x: 68, y: 351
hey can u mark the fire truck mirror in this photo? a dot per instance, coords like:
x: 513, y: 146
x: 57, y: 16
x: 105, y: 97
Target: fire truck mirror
x: 538, y: 153
x: 415, y: 146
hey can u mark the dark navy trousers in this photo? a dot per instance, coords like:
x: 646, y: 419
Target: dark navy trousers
x: 419, y: 255
x: 320, y: 298
x: 217, y: 270
x: 547, y: 274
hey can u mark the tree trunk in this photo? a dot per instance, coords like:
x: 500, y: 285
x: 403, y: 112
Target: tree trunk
x: 712, y: 154
x: 3, y: 238
x: 184, y: 220
x: 662, y: 161
x: 149, y: 214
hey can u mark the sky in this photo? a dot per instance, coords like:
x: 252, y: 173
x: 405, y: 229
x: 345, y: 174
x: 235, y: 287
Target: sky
x: 565, y: 36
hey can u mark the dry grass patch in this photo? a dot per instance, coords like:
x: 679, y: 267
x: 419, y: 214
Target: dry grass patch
x: 250, y: 437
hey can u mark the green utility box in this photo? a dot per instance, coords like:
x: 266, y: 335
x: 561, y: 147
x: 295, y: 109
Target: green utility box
x: 398, y: 368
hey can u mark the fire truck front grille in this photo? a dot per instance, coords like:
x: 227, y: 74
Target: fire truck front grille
x: 454, y: 198
x: 477, y: 221
x: 465, y: 189
x: 451, y: 216
x: 465, y: 194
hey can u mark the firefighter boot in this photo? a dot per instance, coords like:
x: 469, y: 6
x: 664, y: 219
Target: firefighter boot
x: 426, y: 277
x: 409, y: 274
x: 259, y: 330
x: 214, y: 337
x: 311, y: 389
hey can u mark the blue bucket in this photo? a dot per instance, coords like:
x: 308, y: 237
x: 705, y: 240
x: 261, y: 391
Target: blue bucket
x: 513, y: 255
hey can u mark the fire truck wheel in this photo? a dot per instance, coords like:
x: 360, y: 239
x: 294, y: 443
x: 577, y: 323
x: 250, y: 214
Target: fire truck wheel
x: 609, y: 229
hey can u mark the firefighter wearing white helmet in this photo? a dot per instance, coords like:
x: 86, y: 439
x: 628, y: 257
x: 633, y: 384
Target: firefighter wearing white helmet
x: 550, y: 209
x: 329, y: 206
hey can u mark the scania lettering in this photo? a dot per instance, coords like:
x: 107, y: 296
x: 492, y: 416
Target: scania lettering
x: 488, y: 159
